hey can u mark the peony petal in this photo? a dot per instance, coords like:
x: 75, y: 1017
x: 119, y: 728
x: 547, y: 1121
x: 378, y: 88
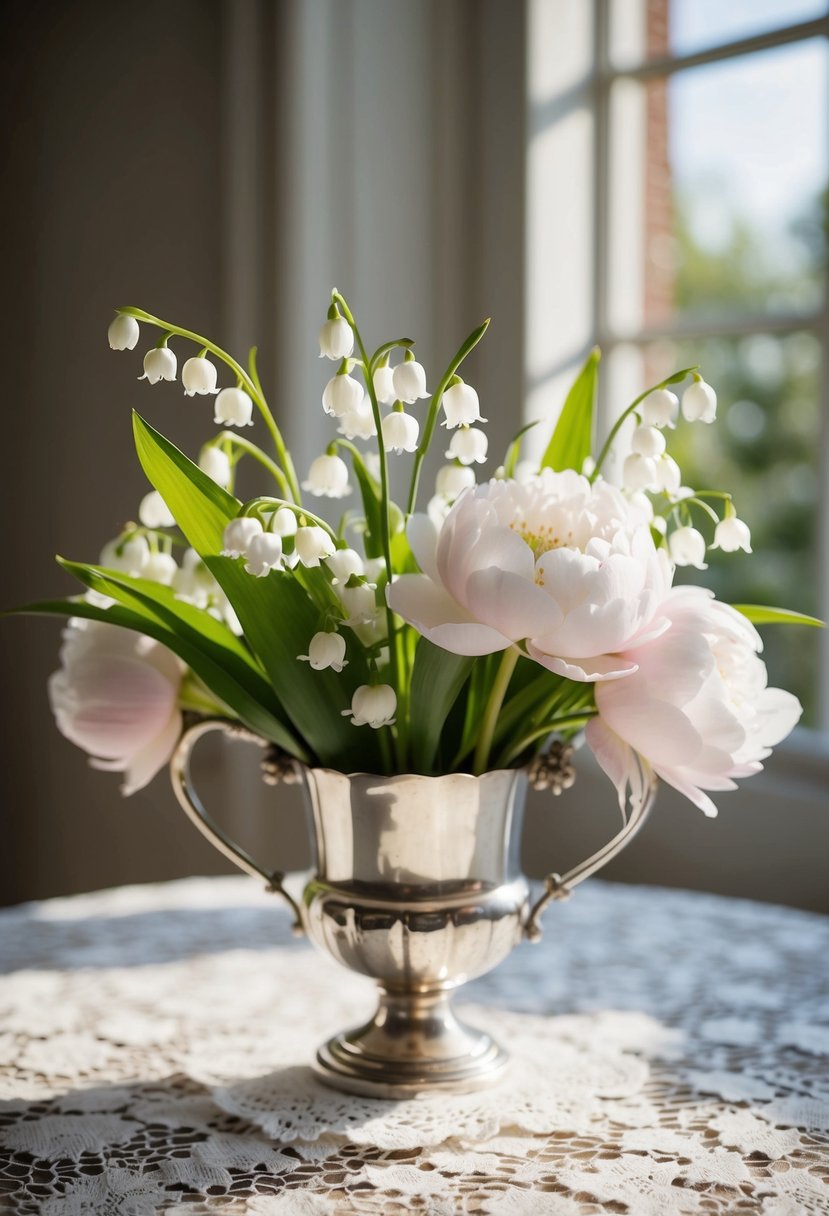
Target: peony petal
x: 613, y: 755
x: 778, y: 712
x: 423, y: 603
x: 691, y: 792
x: 423, y: 539
x: 144, y: 764
x: 511, y: 604
x: 661, y: 732
x: 471, y: 639
x: 599, y: 667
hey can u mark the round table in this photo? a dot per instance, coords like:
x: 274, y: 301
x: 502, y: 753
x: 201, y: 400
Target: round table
x: 671, y: 1055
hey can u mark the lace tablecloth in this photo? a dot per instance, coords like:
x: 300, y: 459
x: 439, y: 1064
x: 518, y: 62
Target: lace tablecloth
x: 671, y: 1055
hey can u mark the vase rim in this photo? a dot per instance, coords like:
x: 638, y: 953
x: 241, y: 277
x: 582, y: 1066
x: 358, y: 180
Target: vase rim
x: 407, y: 776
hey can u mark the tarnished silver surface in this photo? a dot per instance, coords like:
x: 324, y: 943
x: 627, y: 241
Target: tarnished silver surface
x: 417, y: 884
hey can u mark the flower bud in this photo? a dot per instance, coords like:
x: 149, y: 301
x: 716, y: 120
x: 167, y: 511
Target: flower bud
x: 668, y: 474
x: 328, y: 477
x: 233, y: 407
x: 342, y: 394
x: 359, y: 603
x: 284, y: 522
x: 359, y: 422
x: 216, y: 464
x: 130, y: 557
x: 687, y: 548
x: 326, y: 650
x: 159, y: 364
x: 461, y: 406
x: 198, y: 376
x: 160, y: 568
x: 311, y: 543
x: 372, y: 706
x: 409, y: 381
x: 469, y: 445
x: 699, y: 402
x: 732, y: 534
x: 264, y: 554
x: 400, y: 432
x: 648, y: 441
x: 453, y: 478
x: 238, y: 534
x: 639, y: 472
x: 343, y: 563
x: 154, y: 512
x: 660, y: 408
x: 384, y: 384
x: 123, y: 333
x: 336, y: 339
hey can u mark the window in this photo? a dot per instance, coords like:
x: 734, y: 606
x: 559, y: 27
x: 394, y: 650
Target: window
x: 691, y: 138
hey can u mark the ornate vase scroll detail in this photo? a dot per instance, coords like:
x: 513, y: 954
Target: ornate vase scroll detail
x: 417, y: 884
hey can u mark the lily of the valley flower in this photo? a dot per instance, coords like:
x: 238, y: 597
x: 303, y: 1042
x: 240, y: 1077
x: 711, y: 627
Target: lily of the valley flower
x: 732, y: 534
x: 358, y: 423
x: 461, y: 405
x: 699, y: 402
x: 328, y: 477
x: 343, y: 563
x: 336, y: 339
x: 160, y: 568
x: 648, y: 441
x: 116, y: 696
x: 159, y: 364
x: 238, y: 534
x: 264, y: 553
x: 154, y: 512
x: 639, y: 472
x: 123, y: 333
x: 687, y: 548
x: 359, y: 602
x: 284, y: 522
x: 452, y: 479
x: 129, y: 556
x: 198, y: 376
x: 400, y: 432
x: 372, y: 705
x: 233, y: 406
x: 409, y: 380
x: 660, y: 408
x: 469, y: 445
x: 326, y: 650
x: 383, y: 381
x: 341, y: 395
x: 668, y: 475
x: 312, y: 543
x: 216, y: 464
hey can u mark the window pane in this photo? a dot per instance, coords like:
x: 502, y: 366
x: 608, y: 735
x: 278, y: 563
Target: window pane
x: 647, y: 29
x: 718, y: 189
x: 763, y: 450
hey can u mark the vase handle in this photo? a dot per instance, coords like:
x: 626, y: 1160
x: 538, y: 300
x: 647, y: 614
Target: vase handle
x: 559, y: 887
x: 191, y: 804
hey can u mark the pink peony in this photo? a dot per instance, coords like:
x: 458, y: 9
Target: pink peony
x: 697, y: 708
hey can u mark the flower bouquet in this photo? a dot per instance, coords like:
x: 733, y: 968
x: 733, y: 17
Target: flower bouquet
x: 414, y: 665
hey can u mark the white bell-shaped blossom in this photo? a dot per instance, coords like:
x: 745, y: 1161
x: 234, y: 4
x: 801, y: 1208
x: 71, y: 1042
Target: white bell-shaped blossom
x: 452, y: 479
x: 198, y: 377
x: 160, y: 568
x: 129, y: 557
x: 336, y: 339
x: 312, y: 543
x: 233, y: 407
x: 461, y: 406
x: 123, y: 333
x: 400, y: 432
x: 154, y: 512
x: 193, y: 582
x: 687, y: 548
x: 639, y: 472
x: 343, y: 563
x: 372, y: 705
x: 264, y: 554
x: 359, y: 422
x: 341, y: 395
x: 409, y: 381
x: 284, y: 522
x: 326, y: 650
x: 668, y: 475
x: 238, y: 534
x: 383, y: 381
x: 216, y: 464
x: 469, y: 445
x: 648, y: 441
x: 359, y: 603
x: 660, y: 408
x: 732, y: 534
x: 328, y: 477
x: 699, y: 402
x: 159, y: 364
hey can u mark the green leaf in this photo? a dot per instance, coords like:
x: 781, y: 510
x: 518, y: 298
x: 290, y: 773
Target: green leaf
x: 437, y: 678
x: 572, y: 439
x: 279, y: 619
x: 201, y: 508
x: 220, y: 682
x: 758, y: 614
x: 372, y: 505
x: 676, y: 377
x: 514, y: 449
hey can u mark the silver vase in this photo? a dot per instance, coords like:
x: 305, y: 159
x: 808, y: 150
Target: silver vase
x: 416, y: 882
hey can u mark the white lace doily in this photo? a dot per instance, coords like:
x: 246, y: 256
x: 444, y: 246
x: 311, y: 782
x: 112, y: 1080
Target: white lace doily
x: 671, y: 1055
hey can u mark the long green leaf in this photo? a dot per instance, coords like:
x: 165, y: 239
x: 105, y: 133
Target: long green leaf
x: 572, y: 439
x: 437, y: 678
x: 217, y: 679
x: 201, y: 508
x: 758, y: 614
x: 372, y: 506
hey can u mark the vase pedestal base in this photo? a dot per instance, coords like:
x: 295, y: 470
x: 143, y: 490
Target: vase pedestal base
x: 414, y: 1044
